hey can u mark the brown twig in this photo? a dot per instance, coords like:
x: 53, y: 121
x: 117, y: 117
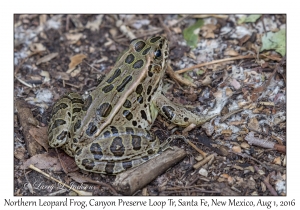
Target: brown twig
x: 203, y: 162
x: 262, y: 143
x: 214, y: 62
x: 177, y: 77
x: 190, y: 191
x: 267, y: 183
x: 229, y: 114
x: 79, y: 192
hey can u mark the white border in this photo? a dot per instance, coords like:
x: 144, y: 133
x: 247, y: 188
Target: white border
x: 153, y: 6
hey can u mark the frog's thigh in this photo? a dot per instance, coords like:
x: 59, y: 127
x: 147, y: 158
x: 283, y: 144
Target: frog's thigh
x: 115, y: 152
x: 177, y: 114
x: 63, y: 112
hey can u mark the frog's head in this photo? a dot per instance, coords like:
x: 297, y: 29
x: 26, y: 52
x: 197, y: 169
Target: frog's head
x: 157, y: 48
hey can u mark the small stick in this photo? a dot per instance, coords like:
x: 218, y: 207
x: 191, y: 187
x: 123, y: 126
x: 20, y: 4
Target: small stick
x: 196, y: 148
x: 204, y: 161
x: 79, y: 192
x: 214, y: 62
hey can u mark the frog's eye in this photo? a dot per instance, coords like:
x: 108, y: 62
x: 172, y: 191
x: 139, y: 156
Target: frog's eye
x: 157, y: 53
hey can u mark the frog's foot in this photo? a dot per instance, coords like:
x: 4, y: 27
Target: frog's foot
x: 166, y: 144
x: 179, y: 115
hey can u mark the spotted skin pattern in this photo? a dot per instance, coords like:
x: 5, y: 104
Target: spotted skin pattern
x: 108, y: 131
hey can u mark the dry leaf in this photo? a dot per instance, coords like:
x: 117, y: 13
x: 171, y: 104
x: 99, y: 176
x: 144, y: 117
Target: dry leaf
x: 95, y: 25
x: 229, y: 92
x: 230, y: 180
x: 40, y: 135
x: 277, y: 161
x: 236, y: 149
x: 244, y: 145
x: 43, y: 161
x: 37, y: 47
x: 75, y: 72
x: 207, y: 81
x: 75, y: 60
x: 203, y: 172
x: 73, y: 38
x: 43, y: 19
x: 46, y: 75
x: 244, y: 39
x: 224, y: 176
x: 231, y: 52
x: 68, y: 163
x: 208, y: 31
x: 61, y: 75
x: 46, y: 58
x: 235, y: 84
x: 177, y: 30
x: 226, y: 132
x: 253, y: 124
x: 19, y: 153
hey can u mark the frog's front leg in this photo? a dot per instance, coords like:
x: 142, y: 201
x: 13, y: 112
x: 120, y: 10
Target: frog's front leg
x: 117, y: 149
x: 179, y: 115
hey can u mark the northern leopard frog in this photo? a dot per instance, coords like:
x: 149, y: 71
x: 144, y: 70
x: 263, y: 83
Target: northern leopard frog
x: 109, y: 131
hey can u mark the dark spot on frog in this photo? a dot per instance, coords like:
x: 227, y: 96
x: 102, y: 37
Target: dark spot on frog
x: 129, y: 130
x: 186, y: 119
x: 140, y: 99
x: 106, y: 134
x: 87, y: 103
x: 139, y: 89
x: 127, y: 114
x: 168, y: 112
x: 129, y: 59
x: 107, y: 88
x: 136, y: 142
x: 114, y: 130
x: 143, y: 114
x: 91, y: 130
x: 104, y: 109
x: 109, y: 168
x: 139, y: 46
x: 125, y: 81
x: 88, y: 164
x: 57, y: 123
x: 127, y: 164
x: 114, y: 76
x: 117, y: 147
x: 134, y: 123
x: 138, y: 64
x: 77, y: 125
x: 127, y: 104
x: 150, y: 151
x: 77, y: 101
x: 96, y: 150
x: 145, y: 52
x: 59, y: 107
x: 149, y: 89
x: 145, y: 158
x: 62, y: 136
x: 155, y: 39
x: 74, y: 111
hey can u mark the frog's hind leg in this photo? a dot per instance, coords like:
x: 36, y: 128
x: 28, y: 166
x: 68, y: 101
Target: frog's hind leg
x: 117, y: 149
x: 63, y: 113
